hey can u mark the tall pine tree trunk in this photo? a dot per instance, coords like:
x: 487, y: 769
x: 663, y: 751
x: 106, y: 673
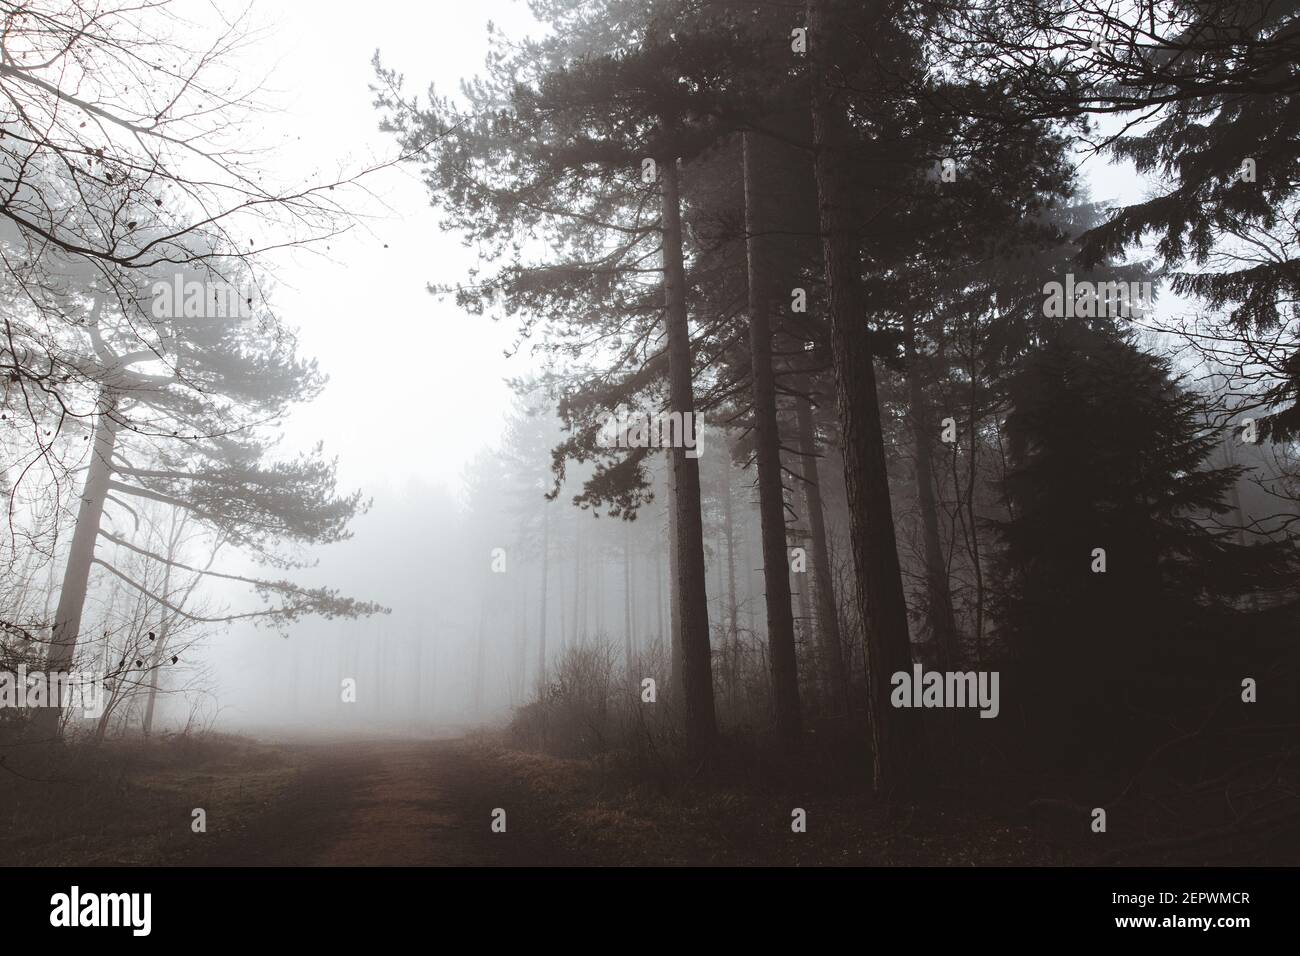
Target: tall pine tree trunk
x: 896, y: 742
x: 559, y: 586
x: 939, y: 614
x: 972, y: 474
x: 81, y: 555
x: 729, y: 530
x: 799, y: 586
x: 767, y: 446
x: 697, y: 669
x: 579, y: 595
x: 541, y: 627
x: 829, y: 642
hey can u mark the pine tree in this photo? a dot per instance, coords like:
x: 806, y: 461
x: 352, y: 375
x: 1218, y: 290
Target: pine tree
x: 1211, y: 87
x: 1117, y: 585
x: 181, y: 416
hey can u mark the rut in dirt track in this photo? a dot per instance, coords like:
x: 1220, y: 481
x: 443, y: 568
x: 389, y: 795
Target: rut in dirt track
x: 386, y: 803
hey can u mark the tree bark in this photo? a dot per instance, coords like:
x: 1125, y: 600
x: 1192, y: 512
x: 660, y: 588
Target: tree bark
x: 151, y: 701
x: 674, y: 596
x: 767, y: 446
x: 697, y: 669
x: 729, y: 531
x: 580, y: 588
x: 835, y: 674
x: 541, y: 628
x: 939, y: 613
x: 970, y: 499
x: 559, y: 586
x: 896, y: 742
x: 76, y: 576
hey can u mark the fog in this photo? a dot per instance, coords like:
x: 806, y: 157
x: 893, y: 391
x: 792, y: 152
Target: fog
x: 685, y: 403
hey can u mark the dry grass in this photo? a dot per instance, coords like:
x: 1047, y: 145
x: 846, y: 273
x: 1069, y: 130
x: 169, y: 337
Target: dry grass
x: 599, y: 816
x: 130, y: 802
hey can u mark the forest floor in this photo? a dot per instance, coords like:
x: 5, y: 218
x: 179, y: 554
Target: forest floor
x: 336, y: 802
x: 395, y: 801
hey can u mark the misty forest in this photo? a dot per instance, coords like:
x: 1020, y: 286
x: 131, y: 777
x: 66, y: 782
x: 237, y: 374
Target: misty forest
x: 641, y: 432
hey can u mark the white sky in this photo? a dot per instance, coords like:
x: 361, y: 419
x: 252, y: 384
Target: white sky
x: 416, y: 386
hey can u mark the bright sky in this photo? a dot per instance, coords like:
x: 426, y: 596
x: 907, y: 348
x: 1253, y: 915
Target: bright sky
x: 416, y: 387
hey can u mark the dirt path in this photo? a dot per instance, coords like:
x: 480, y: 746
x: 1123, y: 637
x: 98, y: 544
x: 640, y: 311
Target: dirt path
x: 381, y: 803
x: 271, y: 801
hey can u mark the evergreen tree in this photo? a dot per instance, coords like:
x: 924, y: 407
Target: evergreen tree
x: 1208, y: 89
x: 1120, y: 592
x: 182, y: 415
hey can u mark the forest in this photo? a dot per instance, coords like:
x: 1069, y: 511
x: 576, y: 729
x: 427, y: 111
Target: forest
x: 818, y: 433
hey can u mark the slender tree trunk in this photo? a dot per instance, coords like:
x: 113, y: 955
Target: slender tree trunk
x: 720, y: 590
x: 580, y: 588
x: 76, y: 576
x: 659, y: 593
x: 767, y: 445
x: 896, y: 751
x: 939, y: 614
x: 749, y: 585
x: 970, y: 500
x: 559, y: 586
x: 546, y: 569
x: 120, y: 691
x: 828, y: 616
x: 729, y: 529
x: 799, y: 586
x: 160, y: 649
x: 697, y: 667
x: 160, y: 640
x: 674, y: 596
x: 629, y: 651
x: 168, y: 617
x: 152, y: 699
x: 633, y: 630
